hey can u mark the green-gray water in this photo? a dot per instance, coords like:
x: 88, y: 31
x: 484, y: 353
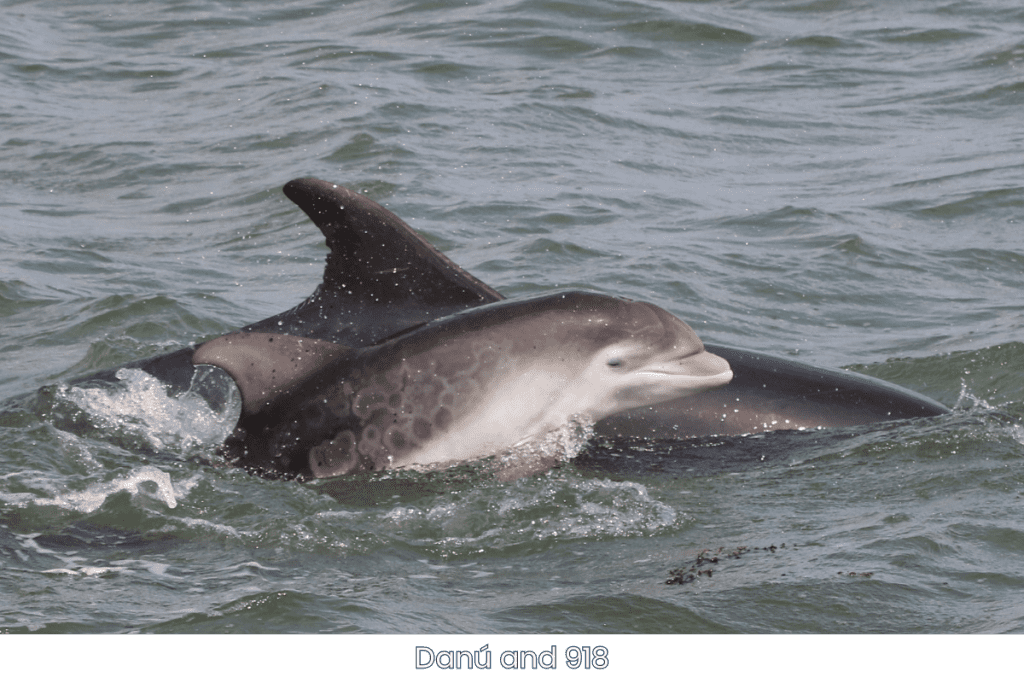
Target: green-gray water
x: 840, y: 182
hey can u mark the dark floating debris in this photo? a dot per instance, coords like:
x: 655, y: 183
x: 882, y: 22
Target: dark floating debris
x: 689, y: 574
x: 701, y: 566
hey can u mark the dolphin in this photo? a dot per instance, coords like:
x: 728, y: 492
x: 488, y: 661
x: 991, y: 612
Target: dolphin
x: 382, y: 280
x: 461, y: 387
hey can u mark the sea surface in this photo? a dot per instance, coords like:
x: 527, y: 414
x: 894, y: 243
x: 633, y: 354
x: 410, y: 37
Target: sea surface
x: 837, y: 182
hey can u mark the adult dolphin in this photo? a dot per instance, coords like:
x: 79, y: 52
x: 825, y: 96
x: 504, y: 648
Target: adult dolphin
x: 382, y: 279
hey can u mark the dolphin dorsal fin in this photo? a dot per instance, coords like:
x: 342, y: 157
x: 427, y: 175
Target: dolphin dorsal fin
x: 381, y: 277
x: 378, y: 252
x: 265, y: 365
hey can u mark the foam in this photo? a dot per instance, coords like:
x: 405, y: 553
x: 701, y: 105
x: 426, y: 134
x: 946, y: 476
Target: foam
x: 93, y: 497
x: 139, y: 406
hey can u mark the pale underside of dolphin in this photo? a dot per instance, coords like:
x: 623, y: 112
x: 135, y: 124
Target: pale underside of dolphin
x: 382, y: 280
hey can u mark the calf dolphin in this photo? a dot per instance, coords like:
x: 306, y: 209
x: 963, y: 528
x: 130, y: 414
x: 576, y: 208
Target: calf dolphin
x: 381, y: 279
x: 461, y: 387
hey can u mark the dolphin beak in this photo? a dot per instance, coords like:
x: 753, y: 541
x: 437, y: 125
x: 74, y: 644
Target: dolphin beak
x: 710, y: 368
x: 701, y: 370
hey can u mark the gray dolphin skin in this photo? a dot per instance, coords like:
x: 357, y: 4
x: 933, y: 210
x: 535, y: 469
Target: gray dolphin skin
x: 770, y: 393
x: 462, y: 387
x: 385, y: 291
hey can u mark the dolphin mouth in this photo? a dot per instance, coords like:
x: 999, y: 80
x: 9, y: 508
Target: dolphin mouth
x: 702, y: 381
x: 703, y: 369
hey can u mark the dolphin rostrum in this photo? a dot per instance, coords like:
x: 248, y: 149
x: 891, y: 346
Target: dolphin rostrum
x: 461, y: 387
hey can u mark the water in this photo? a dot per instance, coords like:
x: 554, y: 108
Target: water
x: 840, y: 182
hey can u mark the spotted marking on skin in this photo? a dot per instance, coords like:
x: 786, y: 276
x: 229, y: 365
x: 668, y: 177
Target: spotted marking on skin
x: 404, y: 407
x: 334, y: 457
x: 422, y: 429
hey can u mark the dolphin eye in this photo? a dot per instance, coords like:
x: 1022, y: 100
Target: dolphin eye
x: 614, y: 362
